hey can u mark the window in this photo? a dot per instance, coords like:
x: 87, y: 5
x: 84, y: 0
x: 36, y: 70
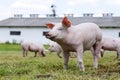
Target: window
x: 119, y: 34
x: 45, y: 33
x: 15, y: 32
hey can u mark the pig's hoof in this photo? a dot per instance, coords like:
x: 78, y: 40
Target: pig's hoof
x: 60, y: 57
x: 83, y: 70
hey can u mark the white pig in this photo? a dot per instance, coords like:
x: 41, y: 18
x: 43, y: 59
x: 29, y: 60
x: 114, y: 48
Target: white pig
x: 33, y: 47
x: 55, y: 47
x: 76, y: 38
x: 111, y: 44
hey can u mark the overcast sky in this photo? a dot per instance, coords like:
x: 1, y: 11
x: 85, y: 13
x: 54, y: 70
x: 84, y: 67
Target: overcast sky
x: 10, y: 7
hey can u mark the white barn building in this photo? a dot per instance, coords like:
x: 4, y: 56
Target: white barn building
x: 18, y: 28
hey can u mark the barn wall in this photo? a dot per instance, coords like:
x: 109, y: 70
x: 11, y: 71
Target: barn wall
x: 27, y: 34
x: 36, y: 34
x: 113, y: 32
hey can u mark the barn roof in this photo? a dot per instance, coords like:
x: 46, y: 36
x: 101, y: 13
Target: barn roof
x: 40, y: 22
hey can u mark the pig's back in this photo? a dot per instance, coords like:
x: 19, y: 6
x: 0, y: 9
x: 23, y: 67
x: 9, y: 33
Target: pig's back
x: 86, y: 27
x: 88, y: 32
x: 110, y: 43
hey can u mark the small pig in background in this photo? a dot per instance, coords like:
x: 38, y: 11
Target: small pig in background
x: 110, y: 44
x: 55, y: 47
x: 33, y: 47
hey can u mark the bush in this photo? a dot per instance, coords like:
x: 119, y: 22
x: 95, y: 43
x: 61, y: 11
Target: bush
x: 7, y: 42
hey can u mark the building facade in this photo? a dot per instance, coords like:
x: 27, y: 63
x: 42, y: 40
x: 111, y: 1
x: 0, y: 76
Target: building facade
x: 19, y: 28
x: 17, y: 35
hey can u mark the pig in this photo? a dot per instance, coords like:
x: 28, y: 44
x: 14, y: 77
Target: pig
x: 77, y: 38
x: 54, y: 47
x: 33, y: 47
x: 111, y: 44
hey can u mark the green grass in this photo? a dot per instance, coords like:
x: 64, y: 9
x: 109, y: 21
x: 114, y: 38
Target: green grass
x: 10, y: 47
x: 15, y: 67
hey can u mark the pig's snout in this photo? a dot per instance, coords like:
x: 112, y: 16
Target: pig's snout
x: 49, y: 36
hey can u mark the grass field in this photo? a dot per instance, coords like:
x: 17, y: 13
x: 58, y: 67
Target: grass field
x: 15, y: 67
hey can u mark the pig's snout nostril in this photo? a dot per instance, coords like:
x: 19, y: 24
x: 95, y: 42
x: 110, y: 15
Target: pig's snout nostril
x: 48, y: 35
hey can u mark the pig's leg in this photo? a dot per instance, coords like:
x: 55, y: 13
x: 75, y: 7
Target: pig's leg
x: 35, y: 54
x: 80, y: 58
x: 66, y: 59
x: 102, y: 52
x: 24, y: 53
x: 42, y: 53
x: 96, y: 53
x: 58, y: 54
x: 118, y: 53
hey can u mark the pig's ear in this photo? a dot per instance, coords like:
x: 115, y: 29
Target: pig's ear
x: 50, y: 25
x: 66, y: 22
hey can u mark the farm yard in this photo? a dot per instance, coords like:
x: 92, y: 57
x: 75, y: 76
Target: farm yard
x: 13, y: 66
x: 43, y: 40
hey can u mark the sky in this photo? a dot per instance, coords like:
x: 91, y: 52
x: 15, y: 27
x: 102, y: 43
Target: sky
x: 42, y: 7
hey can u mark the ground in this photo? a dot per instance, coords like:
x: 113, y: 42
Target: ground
x: 13, y: 66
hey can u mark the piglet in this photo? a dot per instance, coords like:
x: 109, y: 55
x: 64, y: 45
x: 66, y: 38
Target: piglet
x: 33, y: 47
x: 110, y: 44
x: 55, y: 47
